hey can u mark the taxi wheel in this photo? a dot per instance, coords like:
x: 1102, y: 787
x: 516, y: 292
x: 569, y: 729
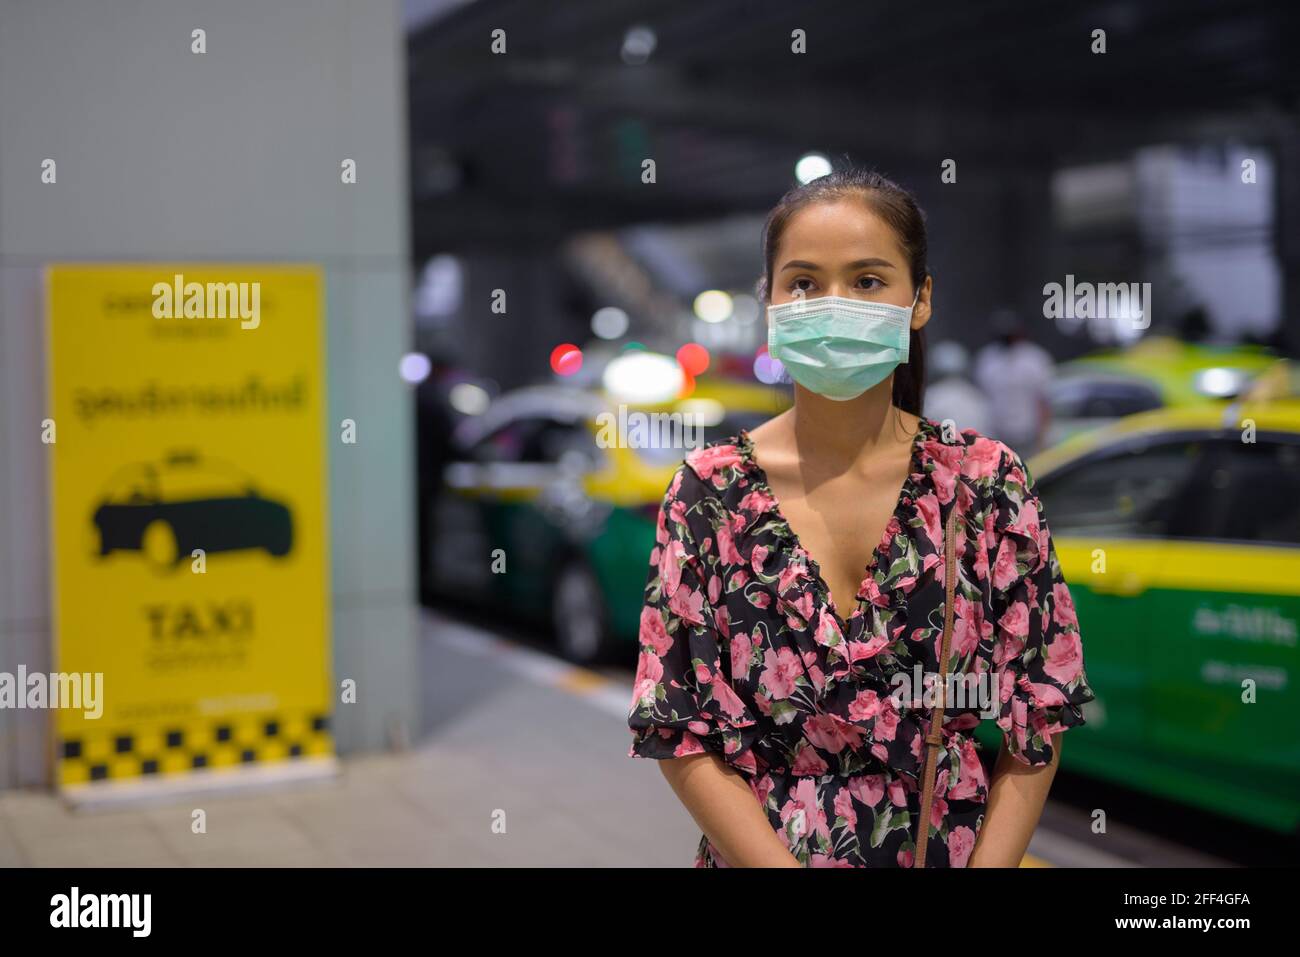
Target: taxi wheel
x: 159, y: 544
x: 578, y: 613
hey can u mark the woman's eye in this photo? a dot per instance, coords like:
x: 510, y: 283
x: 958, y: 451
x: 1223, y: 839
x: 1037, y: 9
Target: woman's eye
x: 795, y: 285
x: 870, y: 279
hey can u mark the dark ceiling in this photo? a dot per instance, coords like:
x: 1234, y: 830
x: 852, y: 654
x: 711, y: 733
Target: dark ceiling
x: 522, y: 149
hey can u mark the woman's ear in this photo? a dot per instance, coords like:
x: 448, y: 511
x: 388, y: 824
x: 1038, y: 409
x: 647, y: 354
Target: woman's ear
x: 921, y: 313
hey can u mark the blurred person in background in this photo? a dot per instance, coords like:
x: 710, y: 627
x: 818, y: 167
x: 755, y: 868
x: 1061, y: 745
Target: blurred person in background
x: 1016, y: 374
x: 951, y: 394
x: 775, y: 711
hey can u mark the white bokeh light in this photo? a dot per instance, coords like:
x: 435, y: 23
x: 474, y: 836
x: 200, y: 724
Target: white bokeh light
x: 414, y: 367
x: 811, y: 166
x: 468, y: 398
x: 643, y: 377
x: 713, y: 305
x: 609, y: 322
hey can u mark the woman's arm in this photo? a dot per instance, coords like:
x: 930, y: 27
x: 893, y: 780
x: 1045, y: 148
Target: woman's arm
x: 724, y: 807
x: 1016, y: 799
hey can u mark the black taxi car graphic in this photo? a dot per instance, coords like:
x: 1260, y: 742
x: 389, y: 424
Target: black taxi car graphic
x: 167, y: 509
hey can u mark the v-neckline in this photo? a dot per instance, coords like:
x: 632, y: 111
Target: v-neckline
x: 745, y: 446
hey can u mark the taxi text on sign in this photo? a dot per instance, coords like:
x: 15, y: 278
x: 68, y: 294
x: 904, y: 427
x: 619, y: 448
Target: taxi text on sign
x: 189, y: 518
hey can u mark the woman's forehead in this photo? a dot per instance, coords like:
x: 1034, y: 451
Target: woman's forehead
x: 834, y: 233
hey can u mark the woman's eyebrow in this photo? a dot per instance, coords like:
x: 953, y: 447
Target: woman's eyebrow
x: 856, y: 264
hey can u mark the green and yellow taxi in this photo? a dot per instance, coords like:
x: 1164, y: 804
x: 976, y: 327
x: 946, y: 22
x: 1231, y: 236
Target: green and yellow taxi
x: 549, y: 513
x: 1178, y: 532
x: 1155, y: 373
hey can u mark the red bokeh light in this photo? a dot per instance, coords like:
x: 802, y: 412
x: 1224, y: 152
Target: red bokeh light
x: 566, y: 359
x: 693, y: 358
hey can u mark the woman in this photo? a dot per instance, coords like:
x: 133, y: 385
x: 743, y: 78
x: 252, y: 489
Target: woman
x: 798, y: 581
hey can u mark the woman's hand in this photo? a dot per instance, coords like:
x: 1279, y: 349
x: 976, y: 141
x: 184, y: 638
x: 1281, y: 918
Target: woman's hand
x: 1016, y: 799
x: 722, y: 804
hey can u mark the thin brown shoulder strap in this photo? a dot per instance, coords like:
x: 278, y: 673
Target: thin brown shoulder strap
x: 934, y: 737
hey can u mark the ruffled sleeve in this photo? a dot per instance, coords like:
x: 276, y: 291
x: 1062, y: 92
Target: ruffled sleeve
x: 1038, y: 651
x: 683, y: 701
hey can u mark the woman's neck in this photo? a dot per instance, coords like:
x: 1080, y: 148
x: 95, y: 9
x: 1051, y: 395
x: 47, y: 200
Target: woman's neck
x: 841, y: 435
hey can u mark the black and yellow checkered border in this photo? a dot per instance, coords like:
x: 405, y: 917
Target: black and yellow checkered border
x: 193, y: 744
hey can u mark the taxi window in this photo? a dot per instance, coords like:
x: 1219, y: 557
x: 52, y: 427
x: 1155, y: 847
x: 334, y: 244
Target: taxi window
x: 1101, y: 398
x: 182, y: 484
x: 535, y: 440
x: 1128, y: 493
x: 1246, y: 492
x: 553, y: 440
x: 506, y: 444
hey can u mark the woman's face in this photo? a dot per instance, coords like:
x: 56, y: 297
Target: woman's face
x: 842, y: 248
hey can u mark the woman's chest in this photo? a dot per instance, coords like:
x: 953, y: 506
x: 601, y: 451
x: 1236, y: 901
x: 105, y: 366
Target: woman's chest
x: 839, y: 524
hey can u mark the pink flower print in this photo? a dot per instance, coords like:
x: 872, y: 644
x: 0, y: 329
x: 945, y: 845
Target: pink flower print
x: 742, y: 649
x: 1026, y: 523
x: 824, y: 732
x: 1005, y: 570
x: 861, y: 650
x: 670, y: 570
x: 757, y: 501
x: 868, y: 788
x: 971, y: 779
x: 809, y: 763
x: 727, y: 546
x: 828, y: 630
x: 677, y: 512
x: 1015, y: 621
x: 649, y: 671
x: 791, y: 574
x: 722, y: 618
x: 690, y: 744
x: 844, y: 808
x: 653, y: 632
x: 780, y: 671
x: 687, y: 604
x: 1064, y: 659
x: 928, y: 508
x: 727, y: 700
x: 866, y: 706
x: 983, y: 458
x: 705, y: 461
x: 961, y: 841
x: 968, y: 626
x: 1063, y: 612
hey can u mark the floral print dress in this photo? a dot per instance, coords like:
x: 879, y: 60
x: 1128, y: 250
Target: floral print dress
x: 742, y: 653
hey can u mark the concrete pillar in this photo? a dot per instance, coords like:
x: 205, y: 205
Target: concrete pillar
x: 231, y: 154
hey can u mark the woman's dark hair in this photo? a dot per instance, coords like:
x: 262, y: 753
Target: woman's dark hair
x: 897, y: 207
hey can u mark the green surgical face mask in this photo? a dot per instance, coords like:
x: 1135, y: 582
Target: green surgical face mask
x: 839, y: 347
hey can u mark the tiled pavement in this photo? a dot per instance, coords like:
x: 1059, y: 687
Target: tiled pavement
x: 509, y: 736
